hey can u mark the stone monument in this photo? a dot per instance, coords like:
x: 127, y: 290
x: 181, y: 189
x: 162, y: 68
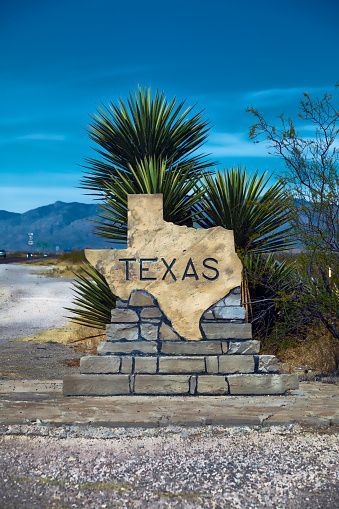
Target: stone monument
x: 179, y: 326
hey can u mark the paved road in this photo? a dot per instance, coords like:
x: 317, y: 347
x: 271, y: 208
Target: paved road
x: 30, y: 303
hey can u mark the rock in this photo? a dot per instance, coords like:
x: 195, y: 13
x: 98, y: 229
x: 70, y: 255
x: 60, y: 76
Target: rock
x: 117, y: 331
x: 261, y: 384
x: 145, y: 365
x: 212, y: 364
x: 127, y: 347
x: 126, y: 364
x: 153, y: 312
x: 121, y: 303
x: 149, y: 331
x: 208, y: 315
x: 162, y: 384
x: 236, y: 364
x: 244, y: 347
x: 203, y: 264
x: 182, y: 365
x: 208, y: 384
x: 268, y: 364
x: 167, y: 333
x: 227, y: 330
x: 193, y: 384
x: 229, y: 313
x: 96, y: 385
x: 123, y: 315
x: 97, y: 364
x: 141, y: 298
x: 191, y: 348
x: 233, y: 298
x: 296, y: 392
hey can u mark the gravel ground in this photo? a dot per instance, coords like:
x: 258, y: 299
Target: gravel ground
x: 30, y: 303
x: 169, y: 468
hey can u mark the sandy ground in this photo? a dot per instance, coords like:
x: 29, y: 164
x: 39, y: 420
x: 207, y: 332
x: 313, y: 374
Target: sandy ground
x: 181, y: 468
x: 29, y: 303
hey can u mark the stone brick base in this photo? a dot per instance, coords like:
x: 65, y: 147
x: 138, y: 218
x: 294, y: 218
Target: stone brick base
x: 144, y: 355
x: 170, y: 385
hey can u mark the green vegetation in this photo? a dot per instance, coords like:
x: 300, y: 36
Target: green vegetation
x: 146, y: 145
x: 94, y: 299
x: 311, y: 177
x: 149, y: 145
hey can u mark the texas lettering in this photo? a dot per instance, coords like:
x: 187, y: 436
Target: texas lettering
x: 143, y: 268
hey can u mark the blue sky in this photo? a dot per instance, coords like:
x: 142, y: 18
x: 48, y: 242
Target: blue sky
x: 60, y: 59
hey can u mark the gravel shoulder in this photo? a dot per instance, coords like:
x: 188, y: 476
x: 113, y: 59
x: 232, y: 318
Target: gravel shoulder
x: 214, y: 467
x: 30, y: 303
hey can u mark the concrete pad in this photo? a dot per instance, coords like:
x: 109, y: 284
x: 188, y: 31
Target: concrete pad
x: 318, y: 407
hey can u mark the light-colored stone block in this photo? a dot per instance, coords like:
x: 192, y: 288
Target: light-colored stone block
x: 121, y: 303
x: 149, y: 331
x: 212, y: 364
x: 182, y: 365
x: 209, y: 384
x: 208, y: 315
x: 248, y: 347
x: 261, y: 384
x: 161, y: 384
x: 99, y: 364
x: 140, y: 298
x: 126, y: 364
x: 268, y: 364
x: 145, y: 365
x: 167, y: 333
x: 153, y: 312
x: 95, y: 385
x: 191, y: 348
x: 123, y: 315
x: 117, y: 331
x: 233, y: 298
x: 227, y: 330
x: 229, y: 313
x: 127, y: 347
x: 224, y: 345
x: 236, y: 364
x: 193, y: 384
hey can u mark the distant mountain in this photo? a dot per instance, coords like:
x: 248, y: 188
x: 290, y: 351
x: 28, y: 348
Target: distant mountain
x: 67, y: 225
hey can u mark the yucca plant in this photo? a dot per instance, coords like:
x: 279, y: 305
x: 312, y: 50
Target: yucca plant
x: 144, y: 126
x: 274, y: 285
x: 147, y: 144
x: 93, y: 300
x: 256, y: 211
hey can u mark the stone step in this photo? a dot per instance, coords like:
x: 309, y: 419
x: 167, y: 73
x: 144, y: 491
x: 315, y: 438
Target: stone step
x: 215, y: 330
x: 212, y: 364
x: 153, y: 328
x: 203, y: 347
x: 169, y: 385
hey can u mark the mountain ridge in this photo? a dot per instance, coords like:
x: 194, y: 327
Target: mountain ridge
x: 67, y: 225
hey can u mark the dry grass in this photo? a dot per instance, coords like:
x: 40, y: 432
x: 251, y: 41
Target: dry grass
x: 81, y: 338
x: 319, y: 353
x: 61, y: 266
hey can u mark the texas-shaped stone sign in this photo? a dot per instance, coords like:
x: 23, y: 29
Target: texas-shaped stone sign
x: 186, y: 269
